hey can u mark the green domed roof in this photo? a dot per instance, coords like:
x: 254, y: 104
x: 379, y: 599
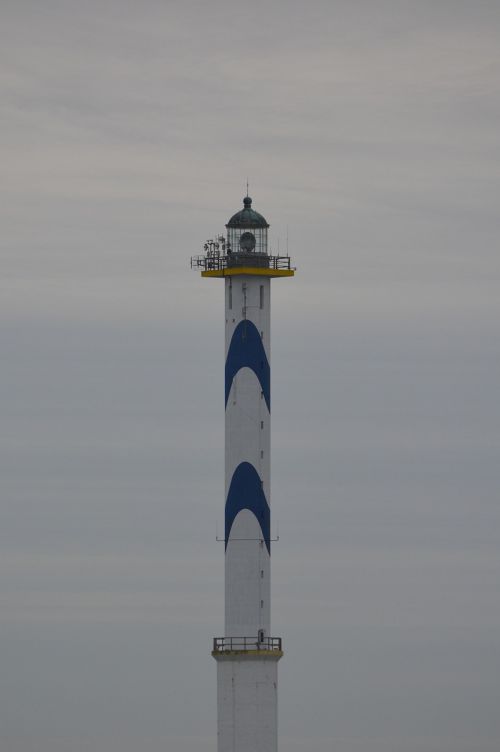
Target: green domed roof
x: 247, y: 217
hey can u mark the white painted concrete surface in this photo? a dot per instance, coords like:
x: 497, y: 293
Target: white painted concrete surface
x: 247, y: 694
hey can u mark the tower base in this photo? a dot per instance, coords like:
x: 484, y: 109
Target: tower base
x: 247, y: 700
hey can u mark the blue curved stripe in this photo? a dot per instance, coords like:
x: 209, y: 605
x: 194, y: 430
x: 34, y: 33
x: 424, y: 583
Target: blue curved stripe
x: 245, y: 492
x: 246, y: 350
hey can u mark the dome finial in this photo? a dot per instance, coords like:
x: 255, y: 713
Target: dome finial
x: 247, y: 217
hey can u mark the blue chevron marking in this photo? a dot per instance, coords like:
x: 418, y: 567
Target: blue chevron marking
x: 245, y: 492
x: 246, y: 350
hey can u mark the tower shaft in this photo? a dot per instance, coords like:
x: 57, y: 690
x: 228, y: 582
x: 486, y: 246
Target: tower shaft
x: 247, y: 674
x: 247, y: 456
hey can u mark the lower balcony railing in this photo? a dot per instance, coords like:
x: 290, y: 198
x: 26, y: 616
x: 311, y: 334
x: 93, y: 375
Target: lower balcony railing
x: 238, y: 644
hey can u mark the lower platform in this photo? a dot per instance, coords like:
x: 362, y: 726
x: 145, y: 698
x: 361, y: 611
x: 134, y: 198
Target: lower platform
x: 260, y: 645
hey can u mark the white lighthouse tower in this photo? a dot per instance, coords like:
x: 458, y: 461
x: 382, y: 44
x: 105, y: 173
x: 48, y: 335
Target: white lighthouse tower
x: 247, y: 656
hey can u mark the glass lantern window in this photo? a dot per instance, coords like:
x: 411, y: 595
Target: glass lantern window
x: 260, y: 234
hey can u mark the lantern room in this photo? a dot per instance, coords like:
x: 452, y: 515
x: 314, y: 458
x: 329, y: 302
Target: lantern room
x: 247, y: 231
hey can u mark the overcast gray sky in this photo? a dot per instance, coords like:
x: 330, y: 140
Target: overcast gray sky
x: 127, y: 132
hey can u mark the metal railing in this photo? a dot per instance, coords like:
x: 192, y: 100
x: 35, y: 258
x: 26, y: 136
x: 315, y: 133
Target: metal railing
x: 213, y: 261
x: 239, y: 644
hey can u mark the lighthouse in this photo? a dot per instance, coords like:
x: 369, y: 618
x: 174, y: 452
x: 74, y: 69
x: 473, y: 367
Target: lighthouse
x: 247, y: 655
